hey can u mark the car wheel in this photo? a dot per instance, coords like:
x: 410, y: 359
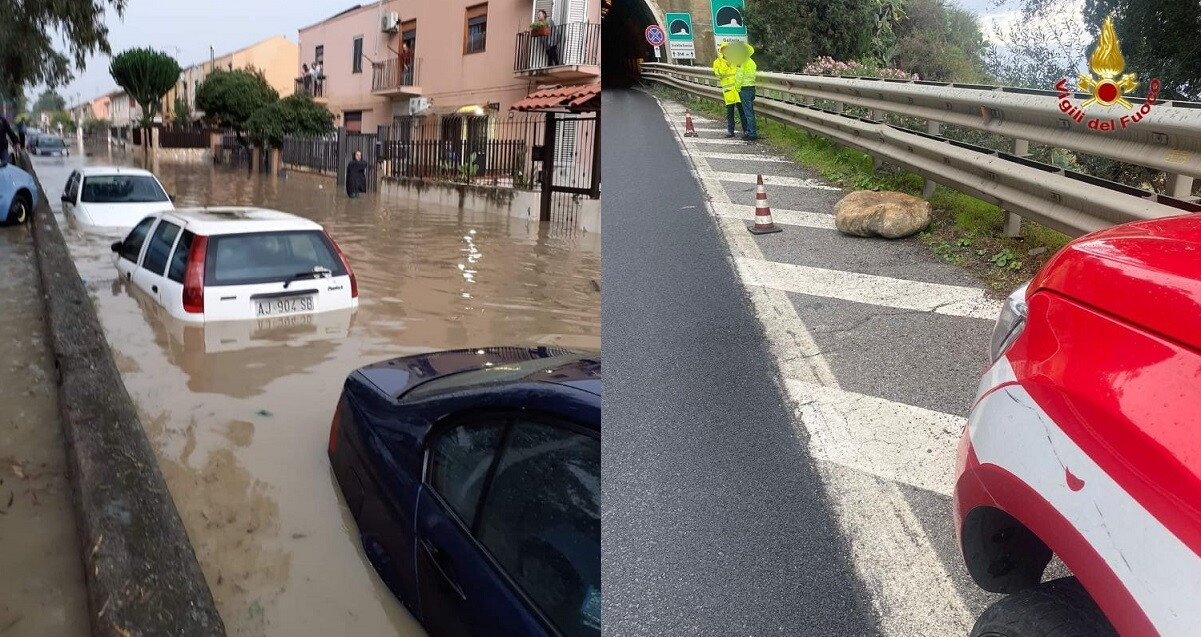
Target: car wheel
x: 1058, y: 608
x: 20, y: 210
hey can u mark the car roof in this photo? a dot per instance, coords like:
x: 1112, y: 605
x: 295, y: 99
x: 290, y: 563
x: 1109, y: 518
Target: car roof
x: 92, y: 171
x: 219, y: 220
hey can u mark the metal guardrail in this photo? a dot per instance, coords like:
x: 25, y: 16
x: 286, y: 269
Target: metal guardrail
x: 1071, y: 202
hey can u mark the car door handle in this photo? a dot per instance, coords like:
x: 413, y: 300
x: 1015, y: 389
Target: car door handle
x: 442, y: 563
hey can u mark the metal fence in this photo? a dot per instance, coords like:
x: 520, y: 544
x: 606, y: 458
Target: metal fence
x: 308, y: 85
x: 1071, y: 202
x: 168, y: 138
x: 482, y: 149
x: 315, y: 153
x: 576, y: 44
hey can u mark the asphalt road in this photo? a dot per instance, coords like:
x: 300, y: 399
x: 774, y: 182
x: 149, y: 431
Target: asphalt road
x: 715, y: 519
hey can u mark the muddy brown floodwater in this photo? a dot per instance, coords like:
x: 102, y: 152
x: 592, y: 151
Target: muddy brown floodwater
x: 239, y: 412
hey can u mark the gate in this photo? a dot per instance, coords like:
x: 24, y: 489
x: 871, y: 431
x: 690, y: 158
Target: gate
x: 350, y: 142
x: 570, y: 163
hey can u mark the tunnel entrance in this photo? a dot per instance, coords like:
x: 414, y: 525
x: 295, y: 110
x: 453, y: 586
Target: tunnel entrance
x: 623, y: 43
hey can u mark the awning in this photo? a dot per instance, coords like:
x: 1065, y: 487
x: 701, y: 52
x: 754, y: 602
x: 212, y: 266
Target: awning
x: 576, y: 99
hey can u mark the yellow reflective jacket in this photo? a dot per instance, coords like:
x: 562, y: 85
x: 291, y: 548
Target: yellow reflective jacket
x: 748, y: 69
x: 727, y: 74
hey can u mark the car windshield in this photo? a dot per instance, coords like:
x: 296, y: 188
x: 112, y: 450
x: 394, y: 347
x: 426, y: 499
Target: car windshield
x: 498, y: 373
x: 122, y: 189
x: 51, y: 142
x: 266, y: 257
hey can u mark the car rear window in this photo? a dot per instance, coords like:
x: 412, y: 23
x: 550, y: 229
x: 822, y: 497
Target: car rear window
x: 52, y: 142
x: 265, y: 257
x: 122, y: 189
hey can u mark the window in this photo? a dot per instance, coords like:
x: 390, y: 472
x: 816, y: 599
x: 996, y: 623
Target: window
x: 160, y: 247
x: 353, y: 121
x: 71, y: 190
x: 262, y: 257
x: 357, y: 66
x: 179, y: 260
x: 477, y: 28
x: 122, y: 189
x: 319, y: 54
x: 459, y: 463
x: 541, y: 521
x: 131, y: 247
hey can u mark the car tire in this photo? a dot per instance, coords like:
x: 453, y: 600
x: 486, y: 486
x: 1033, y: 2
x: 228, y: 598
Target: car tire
x: 19, y: 211
x: 1058, y: 608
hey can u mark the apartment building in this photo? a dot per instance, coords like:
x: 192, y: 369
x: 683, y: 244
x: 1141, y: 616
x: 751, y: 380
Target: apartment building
x: 386, y: 61
x: 275, y: 57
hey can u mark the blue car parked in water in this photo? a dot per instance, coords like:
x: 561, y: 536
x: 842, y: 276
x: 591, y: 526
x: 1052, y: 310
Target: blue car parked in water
x: 18, y: 194
x: 474, y: 478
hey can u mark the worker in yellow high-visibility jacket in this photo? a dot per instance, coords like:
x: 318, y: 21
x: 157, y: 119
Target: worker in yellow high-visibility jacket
x: 746, y: 94
x: 727, y: 75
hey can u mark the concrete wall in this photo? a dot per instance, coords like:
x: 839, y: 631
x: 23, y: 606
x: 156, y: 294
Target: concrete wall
x: 275, y: 56
x: 523, y: 204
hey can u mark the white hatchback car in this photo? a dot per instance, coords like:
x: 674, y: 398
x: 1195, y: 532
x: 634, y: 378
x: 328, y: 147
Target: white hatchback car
x: 113, y: 196
x: 221, y: 264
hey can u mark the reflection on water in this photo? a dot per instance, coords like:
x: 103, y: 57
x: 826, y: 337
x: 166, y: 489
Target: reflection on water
x: 239, y: 413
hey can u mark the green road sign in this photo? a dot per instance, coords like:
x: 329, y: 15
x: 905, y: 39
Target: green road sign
x: 727, y: 18
x: 679, y: 26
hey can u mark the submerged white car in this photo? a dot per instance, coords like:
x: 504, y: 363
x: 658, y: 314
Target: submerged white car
x: 113, y: 197
x: 222, y: 264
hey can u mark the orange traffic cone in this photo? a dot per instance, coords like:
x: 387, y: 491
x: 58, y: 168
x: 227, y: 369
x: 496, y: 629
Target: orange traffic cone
x: 763, y: 222
x: 689, y: 130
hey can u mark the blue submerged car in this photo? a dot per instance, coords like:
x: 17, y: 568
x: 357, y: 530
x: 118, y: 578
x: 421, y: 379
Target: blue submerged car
x: 18, y: 194
x: 474, y: 478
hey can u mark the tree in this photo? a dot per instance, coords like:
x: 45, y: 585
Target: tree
x: 294, y: 115
x: 229, y: 98
x: 63, y: 118
x: 788, y: 34
x: 182, y: 112
x: 49, y: 102
x: 940, y: 41
x: 146, y: 75
x: 33, y: 34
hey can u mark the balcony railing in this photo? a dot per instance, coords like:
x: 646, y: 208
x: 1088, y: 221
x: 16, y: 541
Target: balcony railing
x: 574, y: 44
x: 311, y: 86
x: 389, y: 76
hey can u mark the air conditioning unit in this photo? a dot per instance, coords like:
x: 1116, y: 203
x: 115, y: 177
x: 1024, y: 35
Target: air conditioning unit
x: 390, y: 22
x: 418, y: 104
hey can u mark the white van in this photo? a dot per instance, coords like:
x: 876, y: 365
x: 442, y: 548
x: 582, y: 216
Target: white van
x: 221, y: 264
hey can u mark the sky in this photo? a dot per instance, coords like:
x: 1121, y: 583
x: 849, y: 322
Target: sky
x: 184, y: 29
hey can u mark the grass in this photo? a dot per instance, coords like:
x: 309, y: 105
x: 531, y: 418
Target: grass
x: 963, y: 230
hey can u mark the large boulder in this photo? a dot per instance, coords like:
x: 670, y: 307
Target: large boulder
x: 869, y: 213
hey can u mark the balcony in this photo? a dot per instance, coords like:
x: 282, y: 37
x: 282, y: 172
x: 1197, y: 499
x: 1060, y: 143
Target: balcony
x: 576, y: 44
x: 313, y: 87
x: 390, y: 79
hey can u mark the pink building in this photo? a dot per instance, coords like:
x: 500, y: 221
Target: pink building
x: 392, y: 59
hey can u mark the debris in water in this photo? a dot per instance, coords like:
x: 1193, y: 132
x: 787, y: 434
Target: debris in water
x: 255, y: 608
x: 18, y: 471
x: 264, y: 412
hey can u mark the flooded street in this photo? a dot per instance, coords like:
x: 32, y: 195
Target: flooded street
x: 239, y: 412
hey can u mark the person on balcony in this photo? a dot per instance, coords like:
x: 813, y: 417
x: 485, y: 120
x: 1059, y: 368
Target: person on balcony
x: 727, y: 75
x: 552, y: 39
x: 406, y: 64
x: 306, y: 77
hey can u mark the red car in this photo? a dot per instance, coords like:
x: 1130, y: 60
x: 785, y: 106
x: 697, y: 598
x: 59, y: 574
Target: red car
x: 1084, y: 442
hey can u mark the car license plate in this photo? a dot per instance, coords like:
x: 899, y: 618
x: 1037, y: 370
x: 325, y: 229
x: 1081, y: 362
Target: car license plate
x: 282, y: 306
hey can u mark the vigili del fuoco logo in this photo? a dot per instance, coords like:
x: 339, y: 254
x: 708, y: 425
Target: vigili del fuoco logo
x: 1107, y: 85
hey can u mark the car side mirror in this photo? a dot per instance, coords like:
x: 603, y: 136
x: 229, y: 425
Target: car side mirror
x: 116, y: 247
x: 171, y: 197
x: 67, y: 199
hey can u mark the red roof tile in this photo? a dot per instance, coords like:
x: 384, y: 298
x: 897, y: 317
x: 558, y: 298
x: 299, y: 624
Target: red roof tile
x: 580, y: 97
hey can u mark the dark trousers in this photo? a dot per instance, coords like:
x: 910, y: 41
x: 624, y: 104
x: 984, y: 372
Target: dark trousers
x: 730, y: 110
x: 552, y: 55
x: 747, y: 111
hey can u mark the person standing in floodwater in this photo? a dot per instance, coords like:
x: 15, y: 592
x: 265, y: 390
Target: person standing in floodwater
x: 356, y: 175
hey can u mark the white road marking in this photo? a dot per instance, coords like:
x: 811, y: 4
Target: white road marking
x: 912, y: 594
x: 779, y: 216
x: 744, y: 157
x: 952, y: 300
x: 772, y: 180
x: 715, y: 140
